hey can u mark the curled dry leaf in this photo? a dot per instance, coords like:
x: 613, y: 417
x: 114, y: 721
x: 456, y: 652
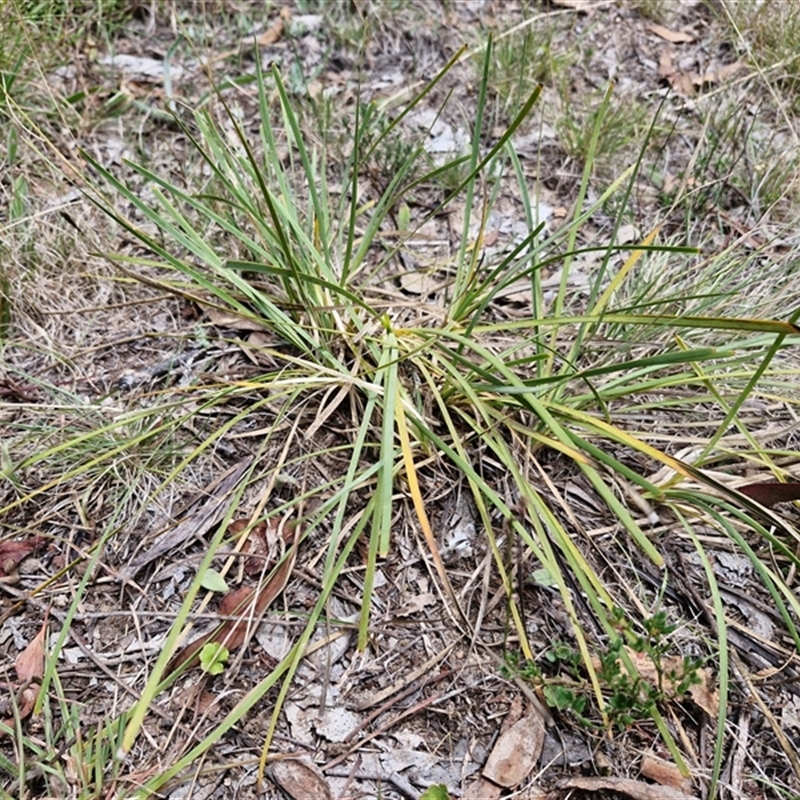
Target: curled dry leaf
x: 300, y: 780
x: 517, y: 751
x: 664, y: 772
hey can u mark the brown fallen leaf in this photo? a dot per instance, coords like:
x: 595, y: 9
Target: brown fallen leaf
x: 12, y: 552
x: 260, y: 545
x: 29, y: 664
x: 516, y: 752
x: 664, y: 772
x: 300, y: 779
x: 679, y: 80
x: 675, y: 37
x: 637, y: 790
x: 704, y: 696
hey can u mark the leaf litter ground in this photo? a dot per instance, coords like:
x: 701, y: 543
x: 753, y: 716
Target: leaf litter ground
x: 427, y: 702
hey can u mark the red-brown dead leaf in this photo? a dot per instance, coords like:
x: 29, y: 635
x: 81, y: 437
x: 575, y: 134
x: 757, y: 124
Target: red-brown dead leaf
x: 261, y: 546
x: 769, y: 493
x: 29, y: 664
x: 674, y: 37
x: 11, y: 553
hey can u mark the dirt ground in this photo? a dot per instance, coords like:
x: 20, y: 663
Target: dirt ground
x: 428, y: 703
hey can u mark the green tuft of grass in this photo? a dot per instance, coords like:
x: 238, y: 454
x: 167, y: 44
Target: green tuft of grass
x: 529, y: 55
x: 312, y: 267
x: 769, y: 34
x: 583, y: 385
x: 602, y: 128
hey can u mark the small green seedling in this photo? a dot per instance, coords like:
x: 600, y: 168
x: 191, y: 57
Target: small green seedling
x: 214, y: 582
x: 213, y: 658
x: 436, y: 792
